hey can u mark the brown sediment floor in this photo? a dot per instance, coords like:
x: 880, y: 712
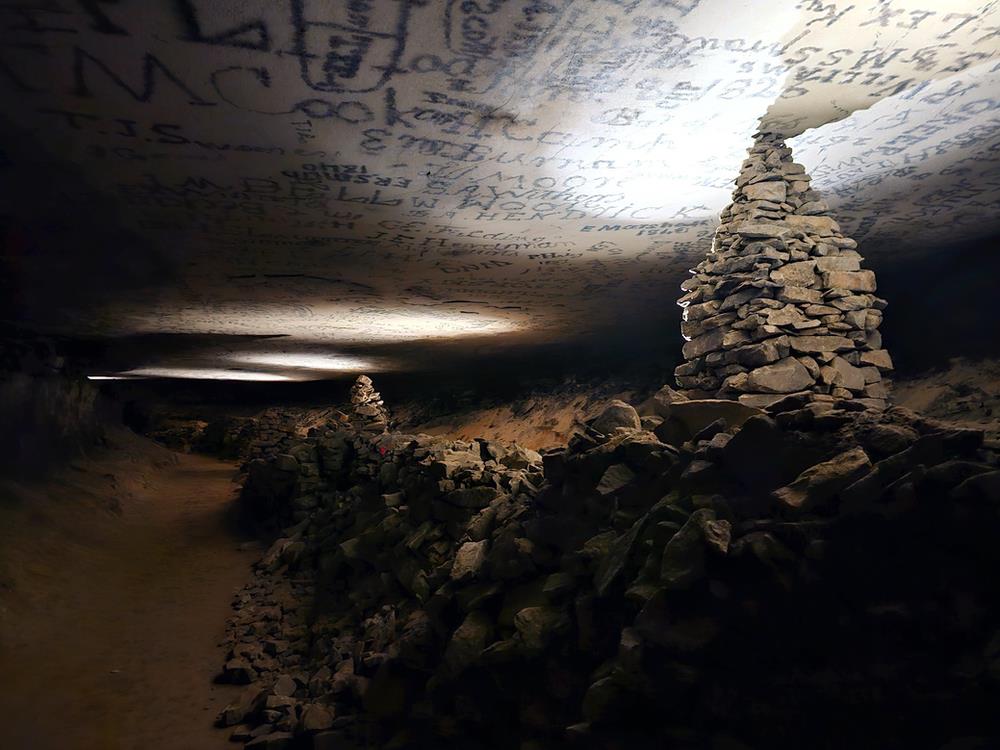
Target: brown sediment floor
x: 115, y: 581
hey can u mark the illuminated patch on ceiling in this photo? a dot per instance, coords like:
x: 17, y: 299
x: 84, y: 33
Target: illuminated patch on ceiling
x: 336, y: 324
x: 310, y: 361
x: 196, y: 373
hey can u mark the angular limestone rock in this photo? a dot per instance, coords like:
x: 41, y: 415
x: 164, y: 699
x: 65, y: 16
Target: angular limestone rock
x: 468, y: 641
x: 879, y: 358
x: 614, y: 478
x: 469, y: 561
x: 251, y: 701
x: 660, y: 403
x: 683, y: 561
x: 787, y: 376
x: 855, y: 281
x: 821, y: 482
x: 616, y: 414
x: 537, y: 626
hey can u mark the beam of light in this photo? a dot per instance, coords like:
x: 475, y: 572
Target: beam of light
x: 199, y: 373
x: 660, y: 148
x: 110, y: 377
x: 308, y: 361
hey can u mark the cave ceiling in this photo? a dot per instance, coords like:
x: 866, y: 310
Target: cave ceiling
x: 297, y: 188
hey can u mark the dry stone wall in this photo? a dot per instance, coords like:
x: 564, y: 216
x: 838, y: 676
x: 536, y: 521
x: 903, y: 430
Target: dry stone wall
x: 782, y: 304
x: 276, y: 430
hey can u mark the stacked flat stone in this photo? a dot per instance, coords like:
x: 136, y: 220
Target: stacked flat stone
x: 369, y: 416
x: 274, y: 432
x: 781, y: 305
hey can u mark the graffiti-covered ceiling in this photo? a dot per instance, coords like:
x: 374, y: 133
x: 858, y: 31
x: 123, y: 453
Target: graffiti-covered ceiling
x: 293, y: 188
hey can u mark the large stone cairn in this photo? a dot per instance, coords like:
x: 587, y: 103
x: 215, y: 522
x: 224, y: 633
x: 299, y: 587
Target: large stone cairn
x: 781, y: 305
x: 368, y: 413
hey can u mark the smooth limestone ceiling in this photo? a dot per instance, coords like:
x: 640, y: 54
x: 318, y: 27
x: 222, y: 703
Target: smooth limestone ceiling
x: 296, y: 188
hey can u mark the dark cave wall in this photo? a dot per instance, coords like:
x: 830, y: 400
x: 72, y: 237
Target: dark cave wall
x: 942, y: 303
x: 49, y: 412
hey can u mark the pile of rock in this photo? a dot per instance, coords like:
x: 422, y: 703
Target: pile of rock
x: 700, y: 574
x: 265, y: 640
x: 382, y: 550
x: 781, y: 305
x: 369, y: 417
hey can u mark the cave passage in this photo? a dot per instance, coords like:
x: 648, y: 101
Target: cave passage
x: 110, y: 637
x: 521, y: 375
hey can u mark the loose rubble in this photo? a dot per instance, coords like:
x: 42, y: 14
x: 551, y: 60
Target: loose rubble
x: 782, y: 304
x: 688, y: 574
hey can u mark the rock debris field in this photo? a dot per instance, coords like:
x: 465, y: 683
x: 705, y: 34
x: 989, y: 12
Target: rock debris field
x: 683, y: 574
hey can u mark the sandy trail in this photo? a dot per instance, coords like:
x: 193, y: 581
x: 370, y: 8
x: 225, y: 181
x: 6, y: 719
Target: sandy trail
x: 108, y: 637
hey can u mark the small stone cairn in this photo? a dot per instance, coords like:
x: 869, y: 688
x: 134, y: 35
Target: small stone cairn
x: 369, y: 416
x: 781, y: 305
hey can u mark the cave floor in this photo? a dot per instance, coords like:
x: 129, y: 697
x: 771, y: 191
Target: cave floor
x: 108, y: 639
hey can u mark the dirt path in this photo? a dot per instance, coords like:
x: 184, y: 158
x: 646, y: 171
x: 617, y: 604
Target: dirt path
x: 111, y: 640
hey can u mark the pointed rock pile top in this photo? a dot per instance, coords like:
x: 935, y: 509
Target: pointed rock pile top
x: 368, y: 413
